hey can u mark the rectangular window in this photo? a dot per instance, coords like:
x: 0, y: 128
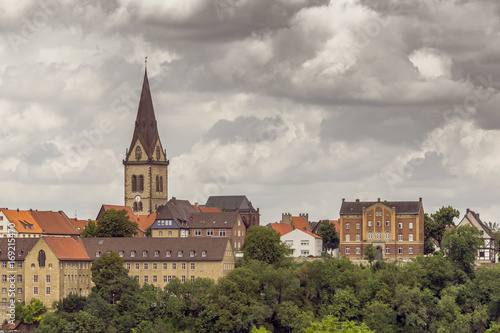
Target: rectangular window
x: 47, y: 291
x: 197, y: 232
x: 370, y: 236
x: 379, y: 223
x: 164, y: 265
x: 304, y: 252
x: 11, y: 265
x: 210, y: 232
x: 192, y: 277
x: 165, y: 279
x: 400, y: 250
x: 358, y: 250
x: 358, y: 225
x: 19, y: 278
x: 128, y: 266
x: 4, y: 264
x: 4, y: 290
x: 146, y: 266
x: 410, y: 225
x: 387, y: 223
x: 347, y: 225
x: 192, y: 265
x: 400, y: 225
x: 387, y: 250
x: 47, y: 278
x: 4, y: 278
x: 155, y: 279
x: 358, y: 237
x: 136, y: 266
x: 347, y: 250
x: 289, y: 242
x: 35, y: 290
x: 410, y: 250
x: 410, y: 237
x: 174, y: 266
x: 400, y: 237
x: 183, y: 278
x: 4, y: 300
x: 183, y: 266
x: 169, y: 278
x: 35, y: 278
x: 146, y: 279
x: 19, y: 290
x: 222, y: 233
x: 370, y: 223
x: 155, y: 266
x: 387, y: 235
x: 20, y: 264
x: 347, y: 238
x: 379, y: 235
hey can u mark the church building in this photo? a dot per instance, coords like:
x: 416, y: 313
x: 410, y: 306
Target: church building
x: 146, y: 164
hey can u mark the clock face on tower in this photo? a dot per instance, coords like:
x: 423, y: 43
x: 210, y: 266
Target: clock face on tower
x: 137, y: 198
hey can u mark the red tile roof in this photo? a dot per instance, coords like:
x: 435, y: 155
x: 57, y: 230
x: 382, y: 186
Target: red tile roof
x: 67, y: 248
x: 209, y: 209
x: 281, y: 228
x: 78, y: 224
x: 299, y: 222
x: 143, y: 221
x: 314, y: 235
x: 336, y: 223
x: 23, y: 221
x: 54, y: 223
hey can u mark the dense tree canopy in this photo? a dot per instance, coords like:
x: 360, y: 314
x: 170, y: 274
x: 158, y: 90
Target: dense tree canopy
x: 436, y: 225
x: 330, y: 237
x: 264, y: 244
x: 461, y: 244
x: 113, y: 223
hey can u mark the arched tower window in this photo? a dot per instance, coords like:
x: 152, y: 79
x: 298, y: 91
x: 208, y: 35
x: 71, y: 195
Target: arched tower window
x: 41, y: 258
x: 140, y: 205
x: 157, y: 183
x: 134, y: 183
x: 138, y: 153
x: 141, y: 183
x: 158, y: 155
x: 135, y: 207
x: 161, y: 183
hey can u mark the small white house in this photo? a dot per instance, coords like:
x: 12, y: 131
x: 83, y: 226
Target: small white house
x: 303, y: 243
x: 486, y: 253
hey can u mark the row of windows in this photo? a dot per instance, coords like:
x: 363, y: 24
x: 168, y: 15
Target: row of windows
x: 145, y: 253
x: 387, y: 250
x: 379, y: 224
x: 155, y: 266
x: 35, y: 290
x: 19, y: 290
x: 159, y: 183
x: 13, y: 277
x: 138, y: 153
x: 12, y: 265
x: 378, y: 236
x: 137, y: 206
x: 166, y: 278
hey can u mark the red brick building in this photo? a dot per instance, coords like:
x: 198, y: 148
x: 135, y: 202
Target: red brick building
x: 394, y: 228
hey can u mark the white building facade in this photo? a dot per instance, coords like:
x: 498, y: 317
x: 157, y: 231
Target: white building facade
x: 302, y: 243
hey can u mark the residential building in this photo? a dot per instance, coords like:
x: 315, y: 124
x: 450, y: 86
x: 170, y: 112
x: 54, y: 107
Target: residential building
x: 232, y: 203
x: 146, y: 164
x: 487, y: 252
x: 394, y: 228
x: 301, y: 243
x: 158, y: 260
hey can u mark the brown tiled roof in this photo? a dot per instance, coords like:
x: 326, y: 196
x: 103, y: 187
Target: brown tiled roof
x: 175, y: 209
x: 213, y: 220
x: 299, y: 222
x: 67, y: 248
x: 23, y: 221
x: 22, y: 245
x: 311, y: 234
x: 229, y: 202
x: 54, y: 223
x: 281, y: 228
x: 78, y: 224
x: 146, y: 130
x: 215, y: 247
x: 209, y: 209
x: 402, y: 207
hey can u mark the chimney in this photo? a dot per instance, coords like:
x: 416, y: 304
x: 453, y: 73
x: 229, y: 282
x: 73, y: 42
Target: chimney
x: 420, y: 199
x: 173, y: 200
x: 357, y: 200
x: 343, y: 200
x: 468, y: 210
x: 378, y: 199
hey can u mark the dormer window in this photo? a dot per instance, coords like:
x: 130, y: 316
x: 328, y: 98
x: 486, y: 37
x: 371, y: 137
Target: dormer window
x: 98, y: 254
x: 144, y: 254
x: 121, y: 253
x: 203, y: 254
x: 192, y: 253
x: 132, y: 253
x: 180, y: 253
x: 157, y: 253
x: 169, y: 254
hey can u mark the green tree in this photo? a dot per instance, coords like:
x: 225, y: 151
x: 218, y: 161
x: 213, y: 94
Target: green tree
x: 115, y: 223
x: 90, y: 230
x: 370, y: 253
x: 110, y: 277
x: 330, y: 237
x: 436, y: 226
x: 429, y: 246
x: 460, y: 246
x: 264, y: 244
x: 330, y: 324
x: 72, y: 303
x: 32, y: 313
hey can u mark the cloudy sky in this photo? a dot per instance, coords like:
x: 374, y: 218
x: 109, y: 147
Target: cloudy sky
x: 294, y: 103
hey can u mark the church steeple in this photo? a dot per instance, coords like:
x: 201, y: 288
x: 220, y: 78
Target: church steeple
x: 146, y: 164
x: 146, y: 129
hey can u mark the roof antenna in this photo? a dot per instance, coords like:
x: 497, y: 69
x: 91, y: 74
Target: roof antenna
x: 146, y: 63
x: 75, y: 214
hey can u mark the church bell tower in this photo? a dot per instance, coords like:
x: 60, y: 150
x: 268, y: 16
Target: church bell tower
x: 146, y: 164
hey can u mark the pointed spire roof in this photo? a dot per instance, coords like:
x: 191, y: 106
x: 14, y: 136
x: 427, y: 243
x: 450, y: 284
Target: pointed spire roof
x: 146, y: 129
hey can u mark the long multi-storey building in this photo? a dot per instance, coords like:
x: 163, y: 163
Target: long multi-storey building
x: 394, y: 228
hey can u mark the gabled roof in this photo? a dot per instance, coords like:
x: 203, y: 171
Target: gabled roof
x: 23, y: 247
x: 475, y: 216
x: 78, y: 224
x: 299, y: 222
x: 178, y: 210
x: 202, y: 209
x: 146, y: 130
x: 402, y: 207
x: 54, y: 223
x: 215, y: 247
x: 281, y: 228
x: 213, y: 220
x: 229, y: 202
x: 23, y: 221
x: 67, y: 248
